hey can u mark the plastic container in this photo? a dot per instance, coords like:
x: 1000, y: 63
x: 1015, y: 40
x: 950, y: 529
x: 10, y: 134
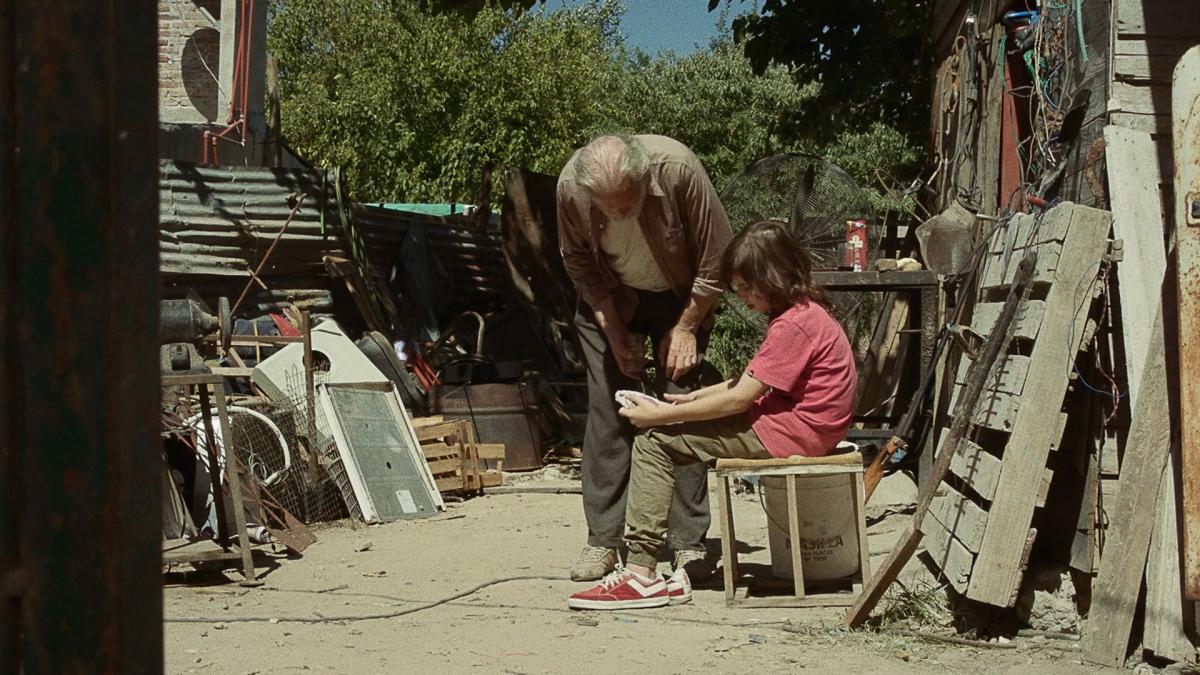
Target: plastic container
x: 828, y: 540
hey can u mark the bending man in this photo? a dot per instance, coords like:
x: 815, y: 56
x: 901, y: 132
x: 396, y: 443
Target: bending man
x: 642, y: 233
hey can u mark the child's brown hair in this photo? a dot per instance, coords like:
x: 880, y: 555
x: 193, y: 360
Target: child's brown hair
x: 768, y: 257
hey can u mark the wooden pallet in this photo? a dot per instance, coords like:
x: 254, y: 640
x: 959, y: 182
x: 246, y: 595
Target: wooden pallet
x: 980, y: 533
x: 455, y: 458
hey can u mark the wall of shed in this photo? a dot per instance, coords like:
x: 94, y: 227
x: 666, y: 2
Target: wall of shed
x: 981, y: 109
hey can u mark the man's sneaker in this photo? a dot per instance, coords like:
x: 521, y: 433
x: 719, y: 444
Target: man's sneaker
x: 695, y: 563
x: 622, y: 589
x: 679, y: 587
x: 594, y: 563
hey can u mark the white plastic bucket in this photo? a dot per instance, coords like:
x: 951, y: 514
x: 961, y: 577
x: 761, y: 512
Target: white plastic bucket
x: 828, y: 541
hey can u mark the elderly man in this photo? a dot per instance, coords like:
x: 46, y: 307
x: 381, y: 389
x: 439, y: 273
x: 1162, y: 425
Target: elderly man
x: 641, y: 232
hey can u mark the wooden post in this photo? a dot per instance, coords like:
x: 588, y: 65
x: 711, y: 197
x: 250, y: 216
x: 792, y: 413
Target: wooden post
x: 1133, y: 179
x: 1116, y: 589
x: 310, y: 401
x: 1185, y: 113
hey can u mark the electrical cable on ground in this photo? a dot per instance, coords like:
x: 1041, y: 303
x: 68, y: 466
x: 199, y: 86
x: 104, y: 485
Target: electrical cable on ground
x: 367, y: 617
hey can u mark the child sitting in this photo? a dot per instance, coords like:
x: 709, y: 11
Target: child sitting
x: 795, y: 398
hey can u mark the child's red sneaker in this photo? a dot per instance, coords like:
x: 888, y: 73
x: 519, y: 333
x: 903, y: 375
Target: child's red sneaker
x: 622, y: 589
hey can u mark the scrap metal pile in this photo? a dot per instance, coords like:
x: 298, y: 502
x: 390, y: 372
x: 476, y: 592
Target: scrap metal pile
x: 371, y: 363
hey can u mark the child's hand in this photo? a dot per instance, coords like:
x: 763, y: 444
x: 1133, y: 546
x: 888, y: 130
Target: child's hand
x: 642, y: 414
x: 680, y: 398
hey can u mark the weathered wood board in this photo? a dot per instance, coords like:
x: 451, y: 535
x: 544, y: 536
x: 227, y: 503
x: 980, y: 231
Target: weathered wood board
x: 1117, y: 586
x: 1186, y: 116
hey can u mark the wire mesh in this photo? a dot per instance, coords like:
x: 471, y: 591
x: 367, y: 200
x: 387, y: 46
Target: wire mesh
x: 814, y: 198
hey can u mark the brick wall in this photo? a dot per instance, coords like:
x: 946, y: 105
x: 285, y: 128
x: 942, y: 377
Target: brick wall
x: 187, y: 41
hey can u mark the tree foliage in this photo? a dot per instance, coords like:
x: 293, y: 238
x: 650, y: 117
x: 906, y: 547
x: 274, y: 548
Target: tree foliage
x: 412, y: 102
x: 870, y: 57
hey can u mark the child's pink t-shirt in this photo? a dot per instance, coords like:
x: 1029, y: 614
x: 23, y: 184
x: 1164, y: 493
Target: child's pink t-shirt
x: 807, y: 362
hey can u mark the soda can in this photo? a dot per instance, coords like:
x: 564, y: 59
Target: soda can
x: 856, y: 245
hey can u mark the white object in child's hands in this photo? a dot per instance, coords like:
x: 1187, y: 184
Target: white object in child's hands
x: 626, y: 398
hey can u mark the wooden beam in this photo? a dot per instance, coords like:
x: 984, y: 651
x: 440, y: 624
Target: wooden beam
x: 1163, y: 632
x: 1117, y: 586
x: 1133, y: 178
x: 997, y: 570
x: 1186, y: 115
x: 1138, y: 221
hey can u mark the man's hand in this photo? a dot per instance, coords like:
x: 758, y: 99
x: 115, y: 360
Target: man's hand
x: 677, y: 352
x: 630, y: 357
x: 680, y: 398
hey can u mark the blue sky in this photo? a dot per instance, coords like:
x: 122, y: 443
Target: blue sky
x: 679, y: 25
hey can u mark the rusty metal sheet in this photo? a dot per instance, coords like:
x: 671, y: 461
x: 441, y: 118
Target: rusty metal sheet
x: 79, y: 470
x: 467, y: 264
x: 1186, y: 116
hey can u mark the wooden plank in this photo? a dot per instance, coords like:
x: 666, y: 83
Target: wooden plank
x: 1026, y: 230
x: 996, y: 274
x: 1147, y: 99
x: 491, y: 478
x: 1133, y: 177
x: 422, y: 422
x: 1154, y: 124
x: 442, y: 466
x: 1156, y: 45
x: 1143, y: 68
x: 948, y: 553
x: 1186, y: 116
x: 1010, y: 374
x: 1116, y: 588
x: 994, y: 410
x: 449, y: 484
x: 961, y: 516
x: 1176, y: 18
x: 1083, y: 547
x: 1163, y: 633
x: 998, y: 571
x: 978, y: 467
x: 989, y: 132
x: 1028, y: 320
x: 1138, y: 221
x: 439, y: 450
x: 439, y: 431
x: 490, y: 450
x: 737, y: 464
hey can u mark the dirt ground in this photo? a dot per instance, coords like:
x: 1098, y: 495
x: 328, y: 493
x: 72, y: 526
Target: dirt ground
x: 523, y: 626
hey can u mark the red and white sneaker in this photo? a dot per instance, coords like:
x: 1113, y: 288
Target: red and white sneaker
x: 622, y: 589
x: 679, y: 587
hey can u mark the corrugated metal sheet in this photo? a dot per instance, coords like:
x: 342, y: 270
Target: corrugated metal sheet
x: 221, y: 220
x: 216, y: 224
x: 469, y: 263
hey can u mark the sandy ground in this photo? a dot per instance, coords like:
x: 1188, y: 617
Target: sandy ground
x: 216, y: 626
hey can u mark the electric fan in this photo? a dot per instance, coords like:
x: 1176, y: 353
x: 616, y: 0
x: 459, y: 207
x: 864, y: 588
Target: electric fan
x: 814, y: 198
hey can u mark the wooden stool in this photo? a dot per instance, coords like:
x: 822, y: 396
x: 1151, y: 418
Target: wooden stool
x: 792, y: 469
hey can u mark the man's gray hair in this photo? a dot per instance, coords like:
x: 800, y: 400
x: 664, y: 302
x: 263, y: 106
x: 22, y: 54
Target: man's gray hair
x: 608, y: 161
